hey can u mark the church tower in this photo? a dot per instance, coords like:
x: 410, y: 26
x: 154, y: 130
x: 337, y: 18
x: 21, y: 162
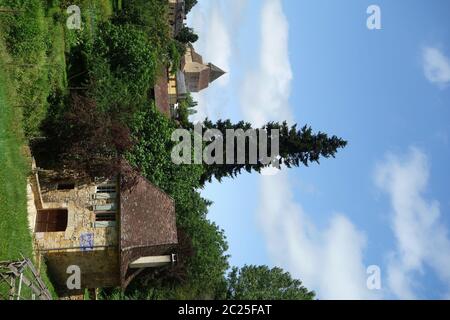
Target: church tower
x: 197, y: 74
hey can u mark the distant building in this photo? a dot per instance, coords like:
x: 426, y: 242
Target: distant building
x: 194, y: 76
x: 177, y: 15
x: 198, y: 75
x: 177, y: 87
x: 110, y: 232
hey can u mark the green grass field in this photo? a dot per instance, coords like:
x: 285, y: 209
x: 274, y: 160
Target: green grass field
x: 14, y: 235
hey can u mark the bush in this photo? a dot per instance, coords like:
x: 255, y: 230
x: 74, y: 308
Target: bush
x: 152, y: 132
x: 149, y: 16
x: 88, y: 141
x: 177, y: 51
x: 25, y: 31
x: 187, y: 35
x: 129, y: 54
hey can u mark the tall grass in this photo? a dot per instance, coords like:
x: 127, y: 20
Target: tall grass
x: 35, y: 42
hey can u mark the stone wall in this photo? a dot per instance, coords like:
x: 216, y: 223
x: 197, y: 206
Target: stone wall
x: 99, y: 268
x: 99, y: 264
x: 81, y: 217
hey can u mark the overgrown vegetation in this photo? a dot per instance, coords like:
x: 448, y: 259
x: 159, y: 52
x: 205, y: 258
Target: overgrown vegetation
x: 123, y: 65
x: 35, y: 42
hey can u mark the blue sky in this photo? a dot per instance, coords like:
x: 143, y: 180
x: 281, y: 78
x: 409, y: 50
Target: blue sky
x: 383, y: 201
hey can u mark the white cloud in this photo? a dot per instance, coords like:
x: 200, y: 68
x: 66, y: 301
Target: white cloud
x: 422, y: 239
x: 265, y: 92
x: 436, y: 66
x: 329, y: 261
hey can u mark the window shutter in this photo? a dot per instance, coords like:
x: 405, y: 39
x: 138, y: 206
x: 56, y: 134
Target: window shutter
x: 105, y: 207
x: 104, y: 196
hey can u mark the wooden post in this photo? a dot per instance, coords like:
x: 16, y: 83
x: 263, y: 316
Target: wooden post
x: 12, y: 292
x: 10, y: 271
x: 20, y: 285
x: 42, y: 294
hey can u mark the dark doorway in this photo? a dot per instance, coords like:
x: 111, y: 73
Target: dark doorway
x: 51, y: 220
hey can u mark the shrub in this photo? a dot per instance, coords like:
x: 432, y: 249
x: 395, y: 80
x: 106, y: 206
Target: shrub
x: 121, y: 64
x: 130, y: 54
x: 150, y: 16
x: 187, y: 35
x: 88, y: 141
x: 25, y: 31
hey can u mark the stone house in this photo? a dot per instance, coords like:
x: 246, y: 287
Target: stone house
x: 111, y: 231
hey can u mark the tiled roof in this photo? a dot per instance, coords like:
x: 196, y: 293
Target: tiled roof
x: 215, y: 72
x: 147, y: 221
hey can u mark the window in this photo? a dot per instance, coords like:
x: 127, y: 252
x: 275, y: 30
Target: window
x: 65, y: 186
x: 105, y: 213
x: 105, y: 216
x: 109, y: 207
x: 107, y: 188
x: 105, y: 192
x: 51, y: 220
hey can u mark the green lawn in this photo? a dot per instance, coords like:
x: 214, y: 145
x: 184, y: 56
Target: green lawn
x: 14, y: 235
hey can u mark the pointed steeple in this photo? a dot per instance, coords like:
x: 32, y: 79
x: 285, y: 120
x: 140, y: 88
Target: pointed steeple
x: 215, y: 72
